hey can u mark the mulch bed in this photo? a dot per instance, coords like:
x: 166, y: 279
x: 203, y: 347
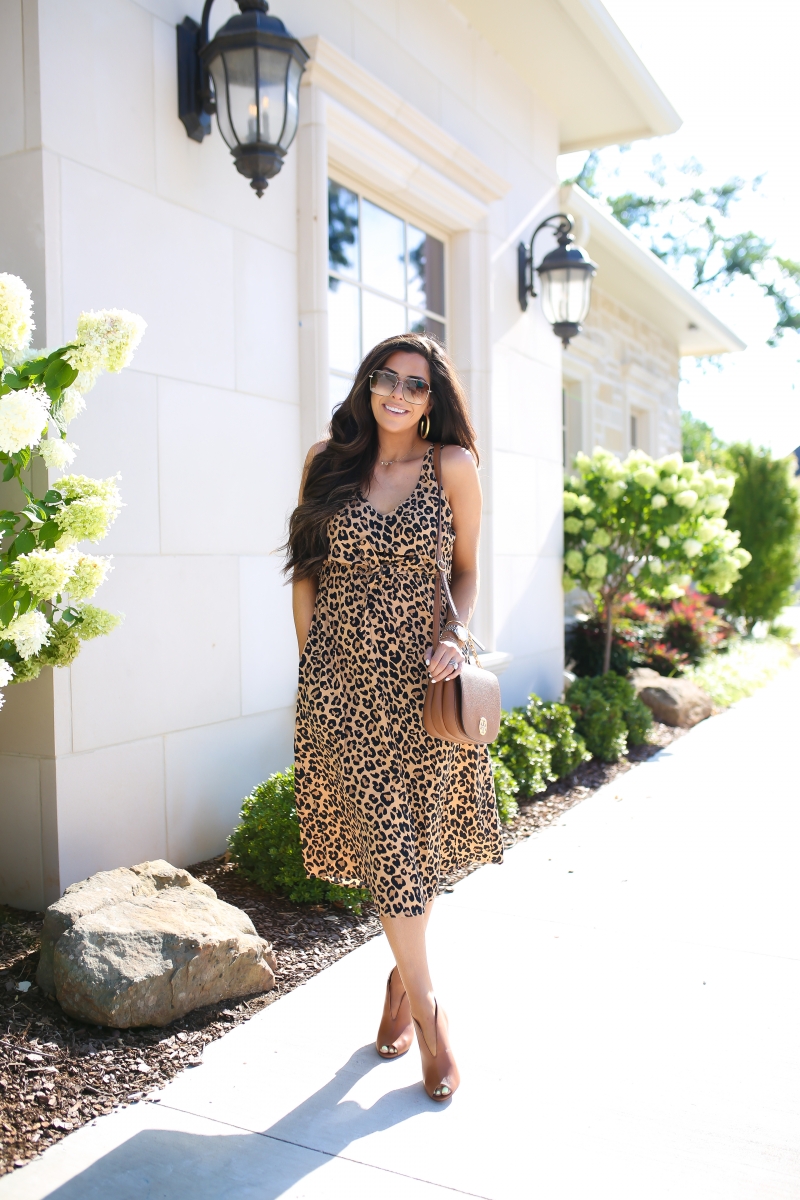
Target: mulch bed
x: 57, y: 1074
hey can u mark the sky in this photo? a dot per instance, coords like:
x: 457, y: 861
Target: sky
x: 730, y: 70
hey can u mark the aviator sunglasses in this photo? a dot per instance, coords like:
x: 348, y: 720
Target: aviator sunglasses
x: 415, y: 391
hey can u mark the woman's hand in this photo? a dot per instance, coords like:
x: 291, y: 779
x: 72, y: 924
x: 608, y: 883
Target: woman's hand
x: 445, y: 663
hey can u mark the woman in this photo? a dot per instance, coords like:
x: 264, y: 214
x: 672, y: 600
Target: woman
x: 379, y: 800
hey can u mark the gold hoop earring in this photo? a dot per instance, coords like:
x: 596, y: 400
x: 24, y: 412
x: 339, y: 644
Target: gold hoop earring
x: 423, y: 433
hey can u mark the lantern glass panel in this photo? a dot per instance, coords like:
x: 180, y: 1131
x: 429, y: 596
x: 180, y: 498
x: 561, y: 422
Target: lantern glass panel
x: 292, y: 107
x: 566, y: 295
x: 234, y: 75
x: 271, y: 95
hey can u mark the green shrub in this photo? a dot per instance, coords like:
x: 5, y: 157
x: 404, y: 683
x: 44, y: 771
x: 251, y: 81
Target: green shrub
x: 609, y: 715
x: 266, y: 847
x: 742, y: 670
x: 555, y: 721
x: 505, y: 790
x: 765, y: 508
x: 524, y: 752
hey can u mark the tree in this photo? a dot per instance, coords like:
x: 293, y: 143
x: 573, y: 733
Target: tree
x: 647, y: 528
x: 45, y: 580
x: 693, y: 225
x: 765, y: 508
x: 701, y: 444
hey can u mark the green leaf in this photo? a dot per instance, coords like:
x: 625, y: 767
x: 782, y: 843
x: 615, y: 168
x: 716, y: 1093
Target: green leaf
x: 53, y: 497
x: 6, y: 591
x: 2, y: 362
x: 7, y: 612
x: 23, y: 543
x: 49, y: 534
x: 24, y: 601
x: 9, y: 472
x: 30, y: 370
x: 15, y: 382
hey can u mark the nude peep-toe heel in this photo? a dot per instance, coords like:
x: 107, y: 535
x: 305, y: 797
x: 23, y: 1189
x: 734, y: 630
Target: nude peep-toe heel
x: 396, y: 1032
x: 439, y: 1071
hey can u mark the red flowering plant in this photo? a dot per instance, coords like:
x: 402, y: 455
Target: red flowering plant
x: 668, y: 638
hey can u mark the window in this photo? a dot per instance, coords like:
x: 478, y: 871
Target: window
x: 639, y: 430
x: 634, y: 431
x: 385, y: 276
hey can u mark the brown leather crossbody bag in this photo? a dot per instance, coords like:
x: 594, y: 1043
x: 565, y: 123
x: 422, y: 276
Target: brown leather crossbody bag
x: 465, y: 709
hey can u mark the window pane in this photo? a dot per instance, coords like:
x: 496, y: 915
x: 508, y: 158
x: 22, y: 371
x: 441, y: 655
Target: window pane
x: 382, y: 251
x: 381, y: 318
x: 425, y: 270
x: 419, y: 323
x: 343, y: 341
x: 339, y: 389
x: 342, y: 230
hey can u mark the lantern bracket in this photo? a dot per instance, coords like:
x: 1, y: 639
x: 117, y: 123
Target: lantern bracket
x: 525, y: 268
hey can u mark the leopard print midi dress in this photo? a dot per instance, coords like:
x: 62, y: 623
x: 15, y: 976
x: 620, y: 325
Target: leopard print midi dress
x: 380, y: 801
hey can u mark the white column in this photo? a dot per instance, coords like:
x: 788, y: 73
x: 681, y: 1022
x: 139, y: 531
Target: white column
x: 312, y: 264
x: 471, y: 348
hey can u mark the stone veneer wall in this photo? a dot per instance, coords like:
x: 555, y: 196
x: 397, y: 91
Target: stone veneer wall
x: 621, y: 366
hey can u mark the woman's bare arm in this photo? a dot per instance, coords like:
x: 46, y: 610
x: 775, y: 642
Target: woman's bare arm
x: 304, y: 591
x: 463, y: 490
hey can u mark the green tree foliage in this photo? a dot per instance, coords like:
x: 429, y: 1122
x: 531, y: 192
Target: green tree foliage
x: 684, y: 222
x: 765, y: 508
x: 266, y: 847
x: 701, y: 444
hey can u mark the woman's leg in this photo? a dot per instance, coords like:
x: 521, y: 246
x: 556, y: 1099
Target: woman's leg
x: 406, y: 937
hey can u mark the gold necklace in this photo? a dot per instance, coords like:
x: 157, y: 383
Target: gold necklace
x: 390, y: 462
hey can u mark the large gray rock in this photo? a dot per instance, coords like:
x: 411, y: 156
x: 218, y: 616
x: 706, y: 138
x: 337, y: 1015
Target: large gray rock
x: 101, y: 890
x: 672, y: 701
x: 149, y: 960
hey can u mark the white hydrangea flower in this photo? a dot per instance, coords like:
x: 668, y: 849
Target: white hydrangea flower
x: 686, y: 498
x: 646, y: 477
x: 715, y: 506
x: 16, y: 323
x: 589, y: 523
x: 601, y: 539
x: 585, y: 504
x: 742, y: 557
x: 663, y: 542
x: 574, y: 561
x: 44, y: 572
x: 659, y: 501
x: 29, y: 633
x: 673, y: 591
x: 88, y: 571
x: 691, y: 547
x: 668, y: 484
x: 23, y: 417
x: 57, y: 453
x: 572, y: 525
x: 570, y: 502
x: 670, y: 464
x: 615, y: 490
x: 106, y: 342
x: 656, y: 566
x: 596, y: 566
x: 72, y: 405
x: 6, y: 672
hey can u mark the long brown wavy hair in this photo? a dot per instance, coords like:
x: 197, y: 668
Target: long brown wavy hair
x: 345, y: 466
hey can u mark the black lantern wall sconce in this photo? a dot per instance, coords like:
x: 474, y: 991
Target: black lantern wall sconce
x: 566, y: 275
x: 249, y: 75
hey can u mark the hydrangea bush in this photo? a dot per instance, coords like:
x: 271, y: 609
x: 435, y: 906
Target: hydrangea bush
x: 45, y: 578
x: 648, y: 527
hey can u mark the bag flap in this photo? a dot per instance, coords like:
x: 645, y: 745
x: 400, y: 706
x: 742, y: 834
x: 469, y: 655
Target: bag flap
x: 480, y: 703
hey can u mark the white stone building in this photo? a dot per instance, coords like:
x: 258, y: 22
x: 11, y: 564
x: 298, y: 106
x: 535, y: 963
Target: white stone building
x: 440, y: 121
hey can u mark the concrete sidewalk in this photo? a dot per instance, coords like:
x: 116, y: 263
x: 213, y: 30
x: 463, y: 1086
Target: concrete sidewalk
x: 623, y: 993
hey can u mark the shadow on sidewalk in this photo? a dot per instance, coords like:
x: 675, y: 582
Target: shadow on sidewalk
x: 174, y: 1164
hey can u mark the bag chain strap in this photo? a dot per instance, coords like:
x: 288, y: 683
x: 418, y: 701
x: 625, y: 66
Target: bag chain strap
x: 441, y: 572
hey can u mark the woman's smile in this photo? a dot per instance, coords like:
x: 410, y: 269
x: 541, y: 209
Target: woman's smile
x: 396, y: 410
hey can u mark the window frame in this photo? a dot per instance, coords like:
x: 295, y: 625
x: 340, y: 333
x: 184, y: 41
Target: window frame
x: 364, y: 192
